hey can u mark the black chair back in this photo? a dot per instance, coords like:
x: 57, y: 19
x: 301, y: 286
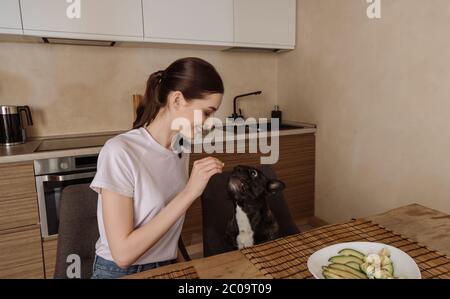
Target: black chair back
x: 78, y: 229
x: 217, y: 210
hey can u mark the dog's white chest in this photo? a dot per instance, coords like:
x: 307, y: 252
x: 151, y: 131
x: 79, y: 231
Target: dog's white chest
x: 245, y: 236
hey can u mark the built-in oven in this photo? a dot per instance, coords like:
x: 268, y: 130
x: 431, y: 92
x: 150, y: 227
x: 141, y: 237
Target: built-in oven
x: 52, y: 176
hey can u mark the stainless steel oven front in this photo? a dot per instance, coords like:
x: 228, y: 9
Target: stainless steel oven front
x: 52, y: 176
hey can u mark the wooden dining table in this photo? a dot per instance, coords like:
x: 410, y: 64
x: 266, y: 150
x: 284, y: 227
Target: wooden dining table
x: 423, y: 225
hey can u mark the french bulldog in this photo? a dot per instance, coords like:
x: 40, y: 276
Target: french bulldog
x: 252, y: 222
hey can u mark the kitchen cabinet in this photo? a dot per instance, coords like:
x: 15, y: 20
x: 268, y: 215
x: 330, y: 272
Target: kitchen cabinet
x: 115, y: 20
x: 18, y: 199
x: 20, y: 234
x: 295, y: 167
x: 265, y: 23
x: 10, y: 19
x: 194, y: 22
x: 227, y: 23
x: 21, y: 253
x: 49, y: 247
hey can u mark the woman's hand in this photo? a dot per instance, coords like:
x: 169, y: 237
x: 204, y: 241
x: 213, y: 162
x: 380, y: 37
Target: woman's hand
x: 202, y: 171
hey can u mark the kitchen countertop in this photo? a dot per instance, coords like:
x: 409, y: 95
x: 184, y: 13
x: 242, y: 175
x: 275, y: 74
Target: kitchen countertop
x: 27, y: 151
x: 426, y: 226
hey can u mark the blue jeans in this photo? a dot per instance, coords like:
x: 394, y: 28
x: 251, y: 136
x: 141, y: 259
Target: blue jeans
x: 104, y: 269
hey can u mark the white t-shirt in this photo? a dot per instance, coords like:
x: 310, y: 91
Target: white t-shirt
x: 133, y: 164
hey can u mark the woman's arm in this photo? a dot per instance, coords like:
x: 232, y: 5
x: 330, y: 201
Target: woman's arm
x: 128, y: 244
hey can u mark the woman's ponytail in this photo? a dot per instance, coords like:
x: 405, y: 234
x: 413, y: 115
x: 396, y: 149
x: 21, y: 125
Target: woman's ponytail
x: 192, y: 76
x: 150, y: 104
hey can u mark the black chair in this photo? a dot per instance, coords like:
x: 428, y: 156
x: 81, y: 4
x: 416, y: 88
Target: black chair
x: 183, y: 250
x: 217, y: 209
x: 78, y: 229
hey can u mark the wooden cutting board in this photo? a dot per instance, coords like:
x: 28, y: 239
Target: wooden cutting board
x: 137, y: 98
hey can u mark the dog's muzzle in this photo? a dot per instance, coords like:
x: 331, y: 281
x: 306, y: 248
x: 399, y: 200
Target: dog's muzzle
x: 235, y: 184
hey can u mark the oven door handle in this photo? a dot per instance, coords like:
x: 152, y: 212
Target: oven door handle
x: 67, y: 177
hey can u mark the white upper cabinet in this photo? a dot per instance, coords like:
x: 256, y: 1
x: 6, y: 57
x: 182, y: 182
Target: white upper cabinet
x: 10, y: 21
x: 231, y: 23
x: 208, y: 22
x: 93, y: 19
x: 265, y: 23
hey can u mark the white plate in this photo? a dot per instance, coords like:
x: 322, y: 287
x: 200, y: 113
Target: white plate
x: 404, y: 265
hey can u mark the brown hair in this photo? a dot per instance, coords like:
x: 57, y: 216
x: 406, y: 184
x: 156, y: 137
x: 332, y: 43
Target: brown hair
x: 193, y: 77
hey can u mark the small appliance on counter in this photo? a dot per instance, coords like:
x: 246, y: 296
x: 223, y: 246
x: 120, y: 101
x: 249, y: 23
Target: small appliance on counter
x: 12, y: 128
x: 276, y: 113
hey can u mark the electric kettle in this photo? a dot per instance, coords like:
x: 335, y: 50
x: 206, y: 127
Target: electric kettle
x: 12, y: 129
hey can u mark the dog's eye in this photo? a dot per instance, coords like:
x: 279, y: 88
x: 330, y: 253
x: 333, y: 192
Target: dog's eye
x: 254, y: 173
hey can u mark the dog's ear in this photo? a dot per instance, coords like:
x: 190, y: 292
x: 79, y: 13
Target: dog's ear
x: 274, y: 186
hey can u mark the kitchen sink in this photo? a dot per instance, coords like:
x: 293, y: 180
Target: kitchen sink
x: 260, y: 127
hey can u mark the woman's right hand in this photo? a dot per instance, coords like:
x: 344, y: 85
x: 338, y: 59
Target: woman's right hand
x: 202, y: 171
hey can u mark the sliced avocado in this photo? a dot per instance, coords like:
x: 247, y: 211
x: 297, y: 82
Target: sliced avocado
x: 342, y: 259
x: 329, y: 275
x: 348, y: 269
x: 363, y: 267
x: 354, y: 265
x: 352, y: 252
x: 343, y: 274
x: 389, y: 268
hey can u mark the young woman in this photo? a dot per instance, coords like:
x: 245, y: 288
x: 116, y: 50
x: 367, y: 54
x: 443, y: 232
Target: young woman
x: 143, y: 185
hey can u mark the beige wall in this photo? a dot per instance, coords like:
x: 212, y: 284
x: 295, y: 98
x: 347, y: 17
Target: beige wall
x: 81, y: 89
x: 378, y: 90
x: 380, y: 94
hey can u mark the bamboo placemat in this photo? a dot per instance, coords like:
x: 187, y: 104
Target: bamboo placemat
x: 187, y: 272
x: 287, y: 257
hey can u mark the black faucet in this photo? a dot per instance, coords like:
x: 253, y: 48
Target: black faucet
x: 235, y: 115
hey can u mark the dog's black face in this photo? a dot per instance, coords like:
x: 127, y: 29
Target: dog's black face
x: 249, y: 186
x: 253, y: 222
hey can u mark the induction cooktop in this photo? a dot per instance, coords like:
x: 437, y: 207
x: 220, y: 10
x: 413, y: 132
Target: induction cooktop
x: 73, y: 143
